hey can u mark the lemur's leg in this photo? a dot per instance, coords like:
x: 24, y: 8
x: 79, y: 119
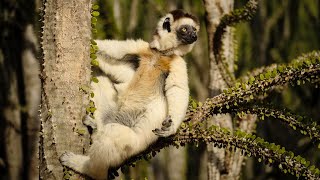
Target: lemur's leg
x: 105, y: 101
x: 111, y: 147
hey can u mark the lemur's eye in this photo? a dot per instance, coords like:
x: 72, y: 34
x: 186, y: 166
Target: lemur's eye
x: 194, y: 29
x: 184, y: 29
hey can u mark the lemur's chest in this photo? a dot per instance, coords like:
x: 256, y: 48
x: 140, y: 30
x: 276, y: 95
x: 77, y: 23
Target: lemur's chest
x: 155, y: 64
x: 151, y: 74
x: 154, y: 69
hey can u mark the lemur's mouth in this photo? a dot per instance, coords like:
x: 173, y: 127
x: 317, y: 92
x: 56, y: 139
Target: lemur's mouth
x: 189, y: 40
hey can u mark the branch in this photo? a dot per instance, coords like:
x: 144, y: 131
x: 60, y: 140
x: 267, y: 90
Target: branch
x: 232, y: 18
x: 251, y: 146
x: 223, y: 138
x: 304, y: 124
x: 305, y: 68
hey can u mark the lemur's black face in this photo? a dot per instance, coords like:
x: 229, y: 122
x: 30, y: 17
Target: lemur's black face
x: 187, y: 34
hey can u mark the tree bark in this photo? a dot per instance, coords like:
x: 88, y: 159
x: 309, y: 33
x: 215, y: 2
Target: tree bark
x: 66, y: 68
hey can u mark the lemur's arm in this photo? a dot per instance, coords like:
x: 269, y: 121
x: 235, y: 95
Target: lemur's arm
x: 177, y: 94
x: 118, y: 59
x: 117, y: 50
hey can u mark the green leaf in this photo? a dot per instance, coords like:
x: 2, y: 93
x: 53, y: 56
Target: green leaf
x: 94, y: 31
x: 81, y: 131
x: 95, y: 47
x: 298, y: 82
x: 95, y: 79
x: 95, y: 63
x: 280, y: 69
x: 93, y: 109
x: 280, y: 166
x: 268, y: 75
x: 194, y: 104
x: 238, y: 85
x: 244, y: 87
x: 66, y: 176
x: 94, y: 20
x: 251, y: 80
x: 261, y: 77
x: 274, y: 73
x: 92, y: 50
x: 95, y: 13
x: 95, y: 7
x: 91, y: 103
x: 93, y: 56
x: 93, y: 42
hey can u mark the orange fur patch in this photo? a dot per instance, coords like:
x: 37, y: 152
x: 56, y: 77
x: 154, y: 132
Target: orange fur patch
x: 149, y: 78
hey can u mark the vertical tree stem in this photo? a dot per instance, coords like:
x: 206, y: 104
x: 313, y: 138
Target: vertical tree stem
x: 66, y: 67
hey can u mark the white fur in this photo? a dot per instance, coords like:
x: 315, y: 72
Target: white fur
x: 118, y: 49
x: 177, y: 91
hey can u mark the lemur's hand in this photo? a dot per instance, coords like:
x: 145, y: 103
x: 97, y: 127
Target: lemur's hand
x: 167, y: 128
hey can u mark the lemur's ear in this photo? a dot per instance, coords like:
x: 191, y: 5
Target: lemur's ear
x: 166, y: 24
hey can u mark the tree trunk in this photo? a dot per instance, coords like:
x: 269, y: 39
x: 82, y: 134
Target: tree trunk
x: 66, y: 68
x: 223, y: 164
x: 219, y: 160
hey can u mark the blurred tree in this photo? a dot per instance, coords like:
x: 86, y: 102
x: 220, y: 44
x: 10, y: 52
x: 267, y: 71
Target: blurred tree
x: 20, y: 90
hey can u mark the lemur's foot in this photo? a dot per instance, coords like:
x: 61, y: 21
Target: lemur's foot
x: 70, y: 160
x: 89, y: 121
x: 167, y: 128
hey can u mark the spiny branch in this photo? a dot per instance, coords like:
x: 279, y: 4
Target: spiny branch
x: 249, y: 144
x: 304, y: 124
x: 232, y: 18
x: 305, y: 68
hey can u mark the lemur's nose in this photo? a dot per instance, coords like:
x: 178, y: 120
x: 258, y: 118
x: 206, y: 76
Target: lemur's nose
x: 194, y: 36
